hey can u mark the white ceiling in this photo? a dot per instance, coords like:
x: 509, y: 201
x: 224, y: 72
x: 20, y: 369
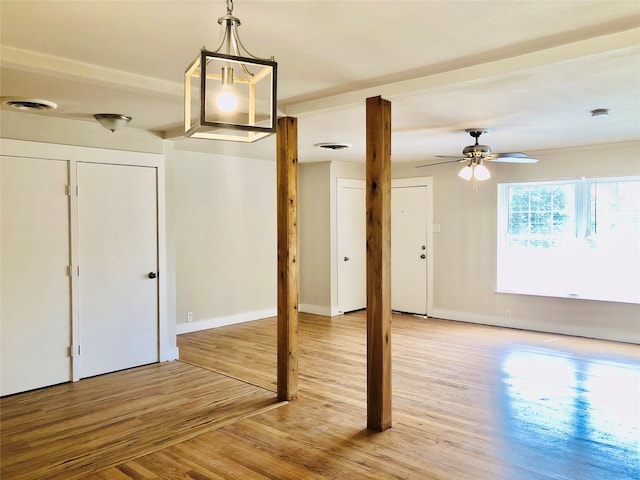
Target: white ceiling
x: 529, y: 71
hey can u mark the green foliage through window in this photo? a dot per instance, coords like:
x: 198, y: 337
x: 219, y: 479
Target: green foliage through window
x: 540, y: 213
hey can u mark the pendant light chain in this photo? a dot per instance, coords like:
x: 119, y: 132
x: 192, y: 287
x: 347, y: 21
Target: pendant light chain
x: 229, y: 7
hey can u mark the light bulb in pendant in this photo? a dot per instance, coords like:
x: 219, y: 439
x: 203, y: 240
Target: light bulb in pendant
x: 226, y: 100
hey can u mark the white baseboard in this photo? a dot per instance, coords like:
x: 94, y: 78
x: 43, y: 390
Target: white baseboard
x: 172, y: 354
x: 578, y: 330
x: 224, y: 321
x: 315, y: 309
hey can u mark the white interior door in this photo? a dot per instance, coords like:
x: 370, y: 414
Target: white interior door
x: 352, y: 241
x: 409, y: 249
x: 35, y: 313
x: 117, y: 250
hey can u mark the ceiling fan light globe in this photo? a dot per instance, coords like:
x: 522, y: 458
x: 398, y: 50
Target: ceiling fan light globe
x: 466, y: 173
x: 481, y: 173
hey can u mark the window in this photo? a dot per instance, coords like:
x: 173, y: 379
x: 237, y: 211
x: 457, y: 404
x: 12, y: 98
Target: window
x: 571, y: 238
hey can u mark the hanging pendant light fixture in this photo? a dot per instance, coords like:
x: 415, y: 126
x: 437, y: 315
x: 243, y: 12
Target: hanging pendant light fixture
x: 230, y: 94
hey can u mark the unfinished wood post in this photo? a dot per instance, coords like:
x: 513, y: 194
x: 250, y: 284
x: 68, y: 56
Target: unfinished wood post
x: 287, y: 199
x: 378, y: 264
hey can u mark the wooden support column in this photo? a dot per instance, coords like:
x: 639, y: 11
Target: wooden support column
x: 287, y: 199
x: 378, y: 264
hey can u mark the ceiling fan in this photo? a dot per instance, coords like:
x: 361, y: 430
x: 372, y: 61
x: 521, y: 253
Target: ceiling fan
x: 476, y: 154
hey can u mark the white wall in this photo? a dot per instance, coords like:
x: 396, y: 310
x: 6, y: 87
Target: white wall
x: 222, y: 227
x: 317, y: 231
x: 221, y: 219
x: 314, y: 237
x: 465, y: 248
x: 221, y: 234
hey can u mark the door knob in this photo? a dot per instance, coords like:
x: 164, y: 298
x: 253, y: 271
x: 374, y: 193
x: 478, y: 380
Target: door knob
x: 346, y: 259
x: 423, y: 256
x: 152, y: 275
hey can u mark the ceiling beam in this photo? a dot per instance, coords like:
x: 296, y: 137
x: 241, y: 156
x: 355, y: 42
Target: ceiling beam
x: 481, y: 72
x: 60, y: 67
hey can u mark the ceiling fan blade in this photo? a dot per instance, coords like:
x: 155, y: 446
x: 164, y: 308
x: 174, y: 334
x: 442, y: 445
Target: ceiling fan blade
x: 457, y: 159
x: 460, y: 159
x: 510, y: 157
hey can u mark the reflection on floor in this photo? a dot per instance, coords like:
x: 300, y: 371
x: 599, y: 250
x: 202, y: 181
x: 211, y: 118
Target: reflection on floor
x: 571, y: 409
x: 469, y: 401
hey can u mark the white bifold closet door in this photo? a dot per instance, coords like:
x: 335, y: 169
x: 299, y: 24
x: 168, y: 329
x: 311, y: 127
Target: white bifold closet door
x: 118, y: 258
x: 35, y: 288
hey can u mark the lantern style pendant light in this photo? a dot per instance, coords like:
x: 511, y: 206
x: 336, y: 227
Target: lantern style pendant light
x: 230, y: 94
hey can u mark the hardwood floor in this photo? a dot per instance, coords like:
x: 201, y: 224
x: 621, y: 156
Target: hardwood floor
x: 69, y: 430
x: 469, y: 402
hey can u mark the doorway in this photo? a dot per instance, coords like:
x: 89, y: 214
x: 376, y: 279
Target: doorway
x: 409, y: 248
x: 411, y: 245
x: 352, y: 245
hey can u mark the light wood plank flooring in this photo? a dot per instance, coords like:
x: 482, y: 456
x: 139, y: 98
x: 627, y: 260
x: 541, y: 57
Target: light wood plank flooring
x: 469, y: 402
x: 69, y: 430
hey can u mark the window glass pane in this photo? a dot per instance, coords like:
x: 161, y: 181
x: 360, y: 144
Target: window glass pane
x: 615, y: 207
x: 578, y: 238
x: 539, y: 214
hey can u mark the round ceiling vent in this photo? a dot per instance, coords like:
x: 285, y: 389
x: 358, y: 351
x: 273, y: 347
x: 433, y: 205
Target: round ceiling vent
x: 332, y: 145
x: 29, y: 104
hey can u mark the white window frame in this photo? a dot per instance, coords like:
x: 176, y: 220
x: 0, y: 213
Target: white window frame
x: 577, y: 266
